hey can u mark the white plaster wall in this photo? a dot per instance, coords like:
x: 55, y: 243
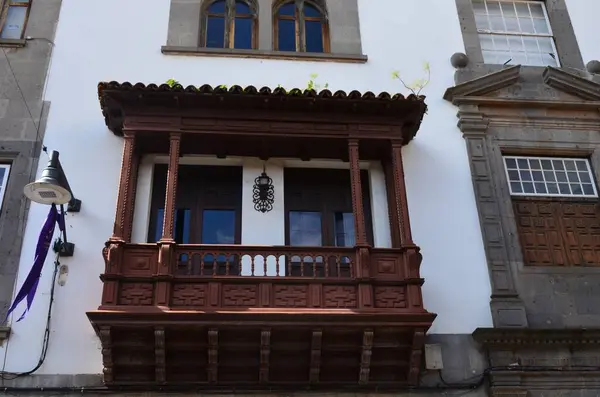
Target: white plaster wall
x: 102, y: 40
x: 584, y: 18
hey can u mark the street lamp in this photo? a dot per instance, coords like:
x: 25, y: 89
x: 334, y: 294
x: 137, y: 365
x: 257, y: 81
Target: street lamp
x: 53, y: 188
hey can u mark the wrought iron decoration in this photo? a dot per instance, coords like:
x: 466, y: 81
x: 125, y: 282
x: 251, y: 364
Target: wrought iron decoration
x: 263, y: 193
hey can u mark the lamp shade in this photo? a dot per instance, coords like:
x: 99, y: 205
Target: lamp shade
x: 49, y: 189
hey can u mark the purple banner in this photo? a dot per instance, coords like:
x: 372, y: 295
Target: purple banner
x: 30, y: 285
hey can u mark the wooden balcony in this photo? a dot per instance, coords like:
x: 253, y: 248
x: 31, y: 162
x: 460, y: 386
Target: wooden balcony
x: 252, y: 316
x: 261, y: 317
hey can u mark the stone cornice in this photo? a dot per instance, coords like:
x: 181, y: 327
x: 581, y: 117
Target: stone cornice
x: 4, y: 334
x: 571, y: 84
x: 526, y: 337
x: 483, y: 85
x: 526, y: 103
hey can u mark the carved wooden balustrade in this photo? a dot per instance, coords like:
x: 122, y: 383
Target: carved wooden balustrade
x: 236, y: 276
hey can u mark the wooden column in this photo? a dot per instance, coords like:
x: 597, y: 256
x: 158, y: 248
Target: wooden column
x: 113, y: 249
x: 362, y: 264
x: 399, y: 218
x: 168, y: 232
x: 357, y: 202
x: 166, y: 254
x: 123, y: 217
x: 400, y: 224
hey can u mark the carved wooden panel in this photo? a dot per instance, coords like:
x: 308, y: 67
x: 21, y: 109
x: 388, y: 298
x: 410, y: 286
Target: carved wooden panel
x: 189, y: 295
x: 581, y: 225
x: 139, y: 262
x: 388, y: 265
x: 558, y: 233
x: 239, y: 295
x: 339, y: 296
x: 135, y: 294
x: 390, y: 297
x: 291, y: 295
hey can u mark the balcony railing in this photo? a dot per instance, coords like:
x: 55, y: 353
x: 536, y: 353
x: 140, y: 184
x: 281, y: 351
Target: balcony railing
x: 205, y: 277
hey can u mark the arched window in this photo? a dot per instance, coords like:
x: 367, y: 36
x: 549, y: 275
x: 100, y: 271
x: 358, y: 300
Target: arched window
x: 13, y: 18
x: 300, y: 25
x: 230, y: 24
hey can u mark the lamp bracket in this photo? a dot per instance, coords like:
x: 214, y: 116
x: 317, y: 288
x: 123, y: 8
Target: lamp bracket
x: 74, y: 205
x: 63, y: 249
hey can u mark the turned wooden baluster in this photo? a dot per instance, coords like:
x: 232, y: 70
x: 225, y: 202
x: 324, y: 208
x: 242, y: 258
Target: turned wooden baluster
x: 167, y: 241
x: 113, y: 250
x: 363, y: 261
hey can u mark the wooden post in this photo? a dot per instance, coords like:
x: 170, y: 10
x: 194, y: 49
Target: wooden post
x: 363, y: 260
x: 114, y: 247
x: 168, y: 232
x: 166, y: 244
x: 126, y: 190
x: 357, y: 203
x: 400, y: 223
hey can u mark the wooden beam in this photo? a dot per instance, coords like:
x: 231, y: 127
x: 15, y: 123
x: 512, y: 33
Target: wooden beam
x: 315, y: 356
x: 365, y: 358
x: 213, y: 355
x: 414, y: 365
x: 107, y: 361
x: 265, y: 352
x: 160, y: 355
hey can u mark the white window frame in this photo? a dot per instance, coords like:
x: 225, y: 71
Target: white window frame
x: 4, y: 182
x: 540, y: 158
x: 550, y: 33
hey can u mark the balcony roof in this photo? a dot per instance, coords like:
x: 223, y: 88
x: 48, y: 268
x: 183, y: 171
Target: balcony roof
x: 121, y: 100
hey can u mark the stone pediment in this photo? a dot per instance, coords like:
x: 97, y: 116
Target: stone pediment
x: 528, y: 87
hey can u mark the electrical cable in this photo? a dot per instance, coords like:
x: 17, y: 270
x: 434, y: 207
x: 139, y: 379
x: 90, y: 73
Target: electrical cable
x: 46, y: 340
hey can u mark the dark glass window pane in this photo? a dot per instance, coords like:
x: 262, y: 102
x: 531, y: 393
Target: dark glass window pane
x: 243, y: 33
x: 314, y: 36
x: 588, y: 188
x: 182, y: 225
x: 218, y: 7
x: 287, y: 35
x: 2, y: 171
x: 581, y: 165
x: 218, y: 227
x: 242, y: 8
x: 511, y: 163
x: 215, y: 32
x: 534, y: 164
x: 287, y: 9
x: 344, y: 229
x: 305, y: 229
x: 311, y: 12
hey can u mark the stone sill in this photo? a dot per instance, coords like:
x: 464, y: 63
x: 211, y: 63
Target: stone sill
x: 264, y: 54
x: 4, y: 333
x: 13, y: 43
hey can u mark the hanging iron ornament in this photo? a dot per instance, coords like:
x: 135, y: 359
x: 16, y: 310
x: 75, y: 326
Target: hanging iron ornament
x: 263, y: 193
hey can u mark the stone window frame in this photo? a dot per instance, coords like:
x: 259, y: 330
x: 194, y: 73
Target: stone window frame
x: 489, y: 138
x: 565, y: 40
x: 184, y: 27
